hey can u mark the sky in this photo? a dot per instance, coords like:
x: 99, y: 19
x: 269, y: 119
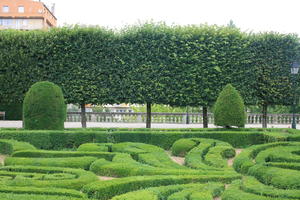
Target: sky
x: 281, y: 16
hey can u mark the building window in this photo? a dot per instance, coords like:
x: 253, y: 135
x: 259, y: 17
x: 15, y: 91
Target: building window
x: 5, y: 9
x: 21, y: 9
x: 6, y: 22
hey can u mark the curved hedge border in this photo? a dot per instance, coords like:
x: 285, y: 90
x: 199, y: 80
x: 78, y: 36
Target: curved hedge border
x: 9, y: 146
x: 162, y: 138
x: 176, y: 192
x: 275, y: 170
x: 46, y: 177
x: 109, y: 189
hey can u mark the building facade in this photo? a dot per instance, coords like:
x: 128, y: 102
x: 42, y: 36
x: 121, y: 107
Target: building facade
x: 26, y: 15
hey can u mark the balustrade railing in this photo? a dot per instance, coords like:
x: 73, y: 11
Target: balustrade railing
x: 171, y: 118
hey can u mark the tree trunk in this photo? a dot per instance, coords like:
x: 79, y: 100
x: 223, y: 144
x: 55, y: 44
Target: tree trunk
x: 205, y: 117
x: 148, y: 119
x: 187, y: 116
x: 83, y: 116
x: 264, y: 115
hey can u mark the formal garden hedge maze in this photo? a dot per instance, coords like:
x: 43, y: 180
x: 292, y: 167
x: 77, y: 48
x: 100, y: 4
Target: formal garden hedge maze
x: 211, y: 169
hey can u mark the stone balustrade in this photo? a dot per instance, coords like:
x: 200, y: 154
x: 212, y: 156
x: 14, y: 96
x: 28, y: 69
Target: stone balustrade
x: 171, y: 118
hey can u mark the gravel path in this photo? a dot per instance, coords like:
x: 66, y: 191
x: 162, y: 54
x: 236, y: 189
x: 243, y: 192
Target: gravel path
x: 237, y: 152
x: 106, y: 178
x: 2, y: 158
x: 177, y: 159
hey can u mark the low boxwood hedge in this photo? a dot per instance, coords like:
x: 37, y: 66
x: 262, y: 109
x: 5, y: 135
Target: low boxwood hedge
x: 109, y: 189
x: 72, y: 162
x: 43, y: 177
x: 9, y: 146
x: 165, y: 139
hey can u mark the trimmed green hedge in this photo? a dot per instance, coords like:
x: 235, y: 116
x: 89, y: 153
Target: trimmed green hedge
x: 109, y: 189
x: 145, y: 159
x: 182, y: 146
x: 175, y: 192
x: 44, y: 107
x: 11, y: 196
x: 274, y: 164
x: 10, y: 146
x: 72, y: 162
x: 235, y: 193
x: 95, y: 147
x: 207, y: 153
x: 164, y: 139
x: 252, y: 185
x: 229, y: 109
x: 43, y: 177
x: 42, y: 191
x: 62, y: 154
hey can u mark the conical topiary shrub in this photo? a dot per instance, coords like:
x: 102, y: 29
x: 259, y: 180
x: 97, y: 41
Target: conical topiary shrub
x: 229, y: 108
x: 44, y: 107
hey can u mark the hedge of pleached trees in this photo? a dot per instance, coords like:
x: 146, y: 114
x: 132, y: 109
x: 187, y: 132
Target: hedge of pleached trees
x: 149, y: 63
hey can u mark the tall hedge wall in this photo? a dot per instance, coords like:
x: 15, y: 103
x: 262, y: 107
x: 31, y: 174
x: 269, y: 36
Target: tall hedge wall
x: 153, y: 63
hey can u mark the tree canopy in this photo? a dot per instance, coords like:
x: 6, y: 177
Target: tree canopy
x: 149, y: 63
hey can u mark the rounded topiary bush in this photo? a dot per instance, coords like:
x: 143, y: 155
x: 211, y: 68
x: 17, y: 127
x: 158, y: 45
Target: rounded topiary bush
x: 44, y: 107
x: 182, y: 146
x: 229, y: 108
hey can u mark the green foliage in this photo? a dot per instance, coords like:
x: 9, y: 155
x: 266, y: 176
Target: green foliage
x: 43, y: 177
x: 229, y: 108
x: 44, y: 107
x: 182, y: 146
x: 106, y: 190
x: 9, y: 146
x: 208, y: 154
x: 17, y: 196
x: 174, y: 192
x: 13, y: 111
x: 62, y: 154
x: 143, y: 159
x: 163, y: 108
x: 95, y: 147
x: 272, y: 55
x: 275, y: 165
x: 152, y: 62
x: 72, y: 162
x: 144, y: 171
x: 41, y: 192
x: 163, y: 138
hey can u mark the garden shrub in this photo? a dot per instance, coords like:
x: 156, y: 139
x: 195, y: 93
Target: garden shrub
x: 252, y: 185
x: 62, y: 154
x: 83, y: 162
x: 158, y: 159
x: 229, y: 109
x: 172, y: 192
x: 157, y: 162
x: 237, y: 191
x: 182, y: 146
x: 17, y: 196
x: 124, y: 166
x: 54, y: 139
x: 95, y: 147
x: 106, y: 190
x: 206, y: 153
x: 42, y: 191
x: 275, y: 165
x: 44, y: 107
x: 43, y: 177
x: 10, y: 146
